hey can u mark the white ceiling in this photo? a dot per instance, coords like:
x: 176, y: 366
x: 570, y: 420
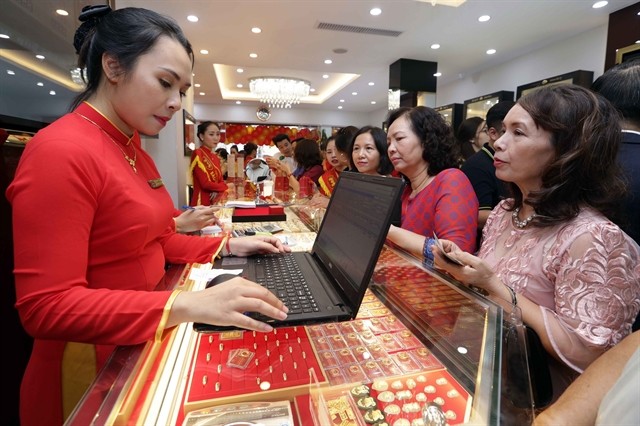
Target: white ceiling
x: 291, y: 45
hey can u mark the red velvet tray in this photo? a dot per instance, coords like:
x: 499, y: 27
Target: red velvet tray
x: 243, y: 365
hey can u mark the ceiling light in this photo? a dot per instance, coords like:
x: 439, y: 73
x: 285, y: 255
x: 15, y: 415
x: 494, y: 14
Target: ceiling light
x: 253, y: 55
x: 599, y: 4
x: 41, y: 57
x: 354, y: 93
x: 312, y: 90
x: 239, y: 86
x: 192, y: 18
x: 371, y: 83
x: 204, y: 51
x: 375, y: 11
x: 279, y: 92
x: 62, y: 12
x: 373, y: 102
x: 637, y: 41
x: 328, y: 61
x: 325, y: 76
x: 11, y: 72
x: 340, y: 107
x: 52, y: 92
x: 40, y: 84
x: 491, y: 51
x: 340, y: 50
x: 341, y: 100
x: 4, y: 36
x: 239, y: 70
x: 196, y: 85
x: 202, y: 93
x: 256, y: 30
x: 435, y: 46
x: 238, y: 102
x: 484, y: 18
x: 438, y: 74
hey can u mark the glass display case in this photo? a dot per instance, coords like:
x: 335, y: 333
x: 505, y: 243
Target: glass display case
x: 452, y: 114
x: 418, y: 333
x: 478, y: 107
x: 580, y: 77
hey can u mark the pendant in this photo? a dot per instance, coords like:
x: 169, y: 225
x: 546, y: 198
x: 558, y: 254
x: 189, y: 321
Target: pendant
x: 155, y: 183
x: 132, y: 163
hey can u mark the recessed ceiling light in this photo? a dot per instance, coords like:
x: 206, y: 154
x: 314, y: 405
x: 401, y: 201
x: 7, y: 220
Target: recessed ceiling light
x: 371, y: 83
x: 196, y: 85
x: 253, y: 55
x: 238, y: 102
x: 62, y: 12
x: 637, y: 41
x: 40, y: 84
x: 312, y: 90
x: 256, y: 30
x: 484, y: 18
x: 41, y: 57
x: 11, y: 72
x: 341, y: 100
x: 239, y: 70
x: 325, y: 76
x: 491, y: 51
x: 435, y: 46
x: 52, y: 92
x: 373, y: 102
x: 239, y: 86
x: 328, y: 61
x: 204, y: 51
x: 354, y: 93
x: 340, y: 50
x: 375, y: 11
x: 202, y: 93
x: 462, y: 350
x: 4, y: 36
x: 599, y: 4
x: 438, y: 74
x: 192, y: 18
x: 339, y: 106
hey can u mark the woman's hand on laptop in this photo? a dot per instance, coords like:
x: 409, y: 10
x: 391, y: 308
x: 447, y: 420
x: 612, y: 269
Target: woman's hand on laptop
x: 226, y: 304
x: 245, y: 246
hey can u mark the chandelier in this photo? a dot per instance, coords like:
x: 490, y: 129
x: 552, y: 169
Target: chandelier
x: 279, y: 92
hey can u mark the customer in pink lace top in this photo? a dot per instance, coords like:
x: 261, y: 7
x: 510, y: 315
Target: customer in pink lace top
x: 552, y: 248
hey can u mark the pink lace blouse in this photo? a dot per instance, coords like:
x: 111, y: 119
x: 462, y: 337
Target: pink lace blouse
x: 584, y: 274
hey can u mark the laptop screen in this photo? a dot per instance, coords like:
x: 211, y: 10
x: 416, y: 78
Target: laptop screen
x: 354, y: 229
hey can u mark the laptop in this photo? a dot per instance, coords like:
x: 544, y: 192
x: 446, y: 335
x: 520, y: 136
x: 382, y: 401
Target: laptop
x: 339, y: 267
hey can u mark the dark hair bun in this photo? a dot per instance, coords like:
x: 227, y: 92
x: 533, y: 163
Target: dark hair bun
x: 89, y: 17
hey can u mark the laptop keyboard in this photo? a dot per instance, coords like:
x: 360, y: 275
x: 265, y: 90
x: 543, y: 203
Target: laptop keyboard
x: 281, y: 274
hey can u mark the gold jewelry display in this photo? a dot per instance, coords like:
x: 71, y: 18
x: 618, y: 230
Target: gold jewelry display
x: 131, y: 161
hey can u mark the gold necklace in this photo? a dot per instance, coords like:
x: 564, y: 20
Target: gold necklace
x: 131, y: 161
x: 426, y: 177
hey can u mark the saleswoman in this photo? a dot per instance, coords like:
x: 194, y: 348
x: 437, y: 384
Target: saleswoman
x: 208, y: 178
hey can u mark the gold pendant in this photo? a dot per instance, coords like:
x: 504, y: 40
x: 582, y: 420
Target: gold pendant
x: 155, y: 183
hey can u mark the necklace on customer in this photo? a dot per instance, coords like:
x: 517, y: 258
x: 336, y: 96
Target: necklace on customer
x: 520, y: 224
x: 419, y: 187
x: 131, y: 161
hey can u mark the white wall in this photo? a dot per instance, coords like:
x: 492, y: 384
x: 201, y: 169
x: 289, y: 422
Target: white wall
x: 295, y: 115
x: 585, y: 51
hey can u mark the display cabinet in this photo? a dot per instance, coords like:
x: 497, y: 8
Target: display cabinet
x: 580, y: 77
x: 452, y: 114
x: 478, y: 107
x: 419, y: 339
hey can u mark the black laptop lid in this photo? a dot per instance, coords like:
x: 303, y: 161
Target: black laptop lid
x: 354, y: 228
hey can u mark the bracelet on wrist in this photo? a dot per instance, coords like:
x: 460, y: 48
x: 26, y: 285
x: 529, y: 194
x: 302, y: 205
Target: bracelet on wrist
x: 426, y: 251
x: 514, y: 298
x: 227, y: 247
